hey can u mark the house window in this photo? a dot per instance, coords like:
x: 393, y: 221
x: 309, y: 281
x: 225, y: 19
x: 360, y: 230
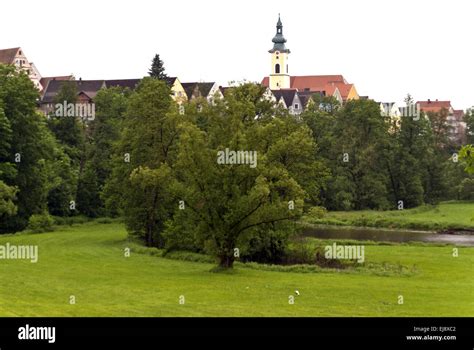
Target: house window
x: 277, y: 68
x: 297, y: 106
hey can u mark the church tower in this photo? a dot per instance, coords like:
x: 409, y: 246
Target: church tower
x: 279, y: 77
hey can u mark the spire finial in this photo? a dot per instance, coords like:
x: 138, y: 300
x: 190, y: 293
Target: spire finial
x: 279, y: 40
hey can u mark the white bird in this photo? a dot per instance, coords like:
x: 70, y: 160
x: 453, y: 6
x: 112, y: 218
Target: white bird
x: 297, y: 292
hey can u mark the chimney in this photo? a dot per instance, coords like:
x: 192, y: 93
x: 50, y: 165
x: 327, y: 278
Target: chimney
x: 429, y: 101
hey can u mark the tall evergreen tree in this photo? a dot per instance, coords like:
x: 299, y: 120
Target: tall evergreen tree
x: 157, y: 69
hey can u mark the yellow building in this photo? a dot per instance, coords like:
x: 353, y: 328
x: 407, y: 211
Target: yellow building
x: 177, y: 90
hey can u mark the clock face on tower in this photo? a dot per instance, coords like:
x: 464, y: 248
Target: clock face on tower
x: 277, y: 53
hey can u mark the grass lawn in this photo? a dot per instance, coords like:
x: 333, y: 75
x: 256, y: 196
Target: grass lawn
x: 88, y: 261
x: 446, y: 215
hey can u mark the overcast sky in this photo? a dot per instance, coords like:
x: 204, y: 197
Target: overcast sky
x: 387, y: 48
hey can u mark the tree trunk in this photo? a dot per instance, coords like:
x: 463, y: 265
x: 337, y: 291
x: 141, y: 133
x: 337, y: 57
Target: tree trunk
x: 226, y: 261
x: 151, y: 220
x: 149, y: 236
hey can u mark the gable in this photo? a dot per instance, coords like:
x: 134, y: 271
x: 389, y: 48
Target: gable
x: 8, y: 56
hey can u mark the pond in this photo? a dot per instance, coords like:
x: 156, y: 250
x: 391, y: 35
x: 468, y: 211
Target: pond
x: 385, y: 235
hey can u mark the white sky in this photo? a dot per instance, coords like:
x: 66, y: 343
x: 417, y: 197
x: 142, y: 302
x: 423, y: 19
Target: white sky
x: 387, y: 48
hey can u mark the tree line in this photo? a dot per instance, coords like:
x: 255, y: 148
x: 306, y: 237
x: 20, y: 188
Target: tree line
x: 154, y: 163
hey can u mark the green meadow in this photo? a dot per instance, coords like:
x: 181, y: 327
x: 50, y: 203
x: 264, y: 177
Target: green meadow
x: 88, y: 262
x: 446, y: 215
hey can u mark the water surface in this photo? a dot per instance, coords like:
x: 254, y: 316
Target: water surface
x: 385, y: 235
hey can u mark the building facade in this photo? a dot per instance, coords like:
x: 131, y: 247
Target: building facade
x: 294, y: 92
x: 16, y: 57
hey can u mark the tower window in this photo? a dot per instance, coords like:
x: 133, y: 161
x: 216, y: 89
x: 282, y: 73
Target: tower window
x: 277, y: 68
x: 287, y: 68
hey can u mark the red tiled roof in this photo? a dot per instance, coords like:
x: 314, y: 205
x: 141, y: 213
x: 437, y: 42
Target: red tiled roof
x: 344, y: 89
x: 318, y: 83
x: 434, y: 106
x: 315, y: 81
x: 330, y: 89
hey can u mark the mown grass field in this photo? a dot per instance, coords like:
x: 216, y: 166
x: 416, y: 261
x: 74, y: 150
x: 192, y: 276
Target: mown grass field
x: 88, y: 261
x: 446, y: 215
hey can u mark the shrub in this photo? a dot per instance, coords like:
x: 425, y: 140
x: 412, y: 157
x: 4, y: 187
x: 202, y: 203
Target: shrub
x: 41, y: 223
x: 317, y: 213
x: 59, y: 220
x: 304, y: 252
x: 70, y: 220
x: 265, y: 245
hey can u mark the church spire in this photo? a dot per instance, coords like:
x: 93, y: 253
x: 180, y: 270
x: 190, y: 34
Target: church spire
x: 279, y: 76
x: 279, y: 40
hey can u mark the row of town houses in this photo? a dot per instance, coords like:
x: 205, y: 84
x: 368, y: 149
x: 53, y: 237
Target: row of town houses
x: 291, y: 92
